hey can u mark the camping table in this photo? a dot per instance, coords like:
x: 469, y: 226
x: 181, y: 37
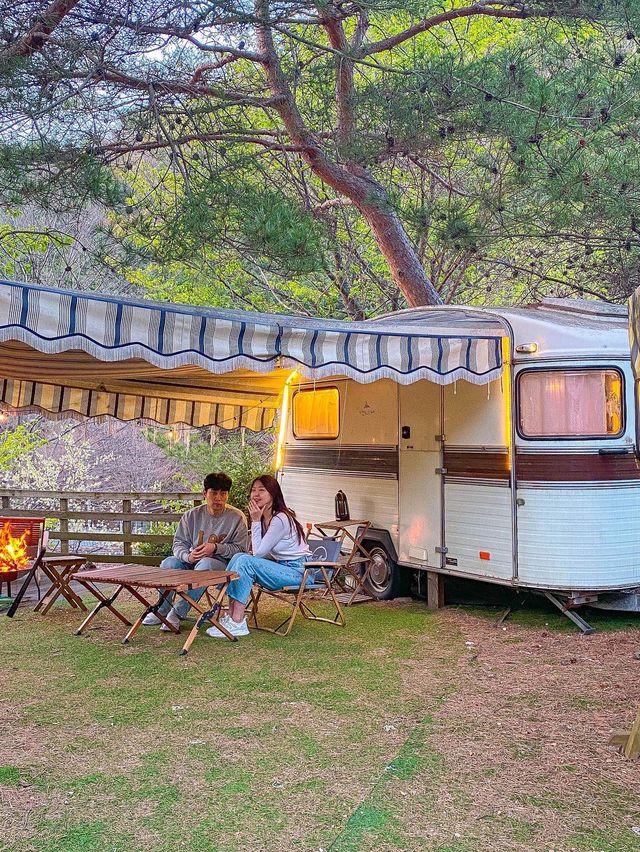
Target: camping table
x: 350, y: 533
x: 135, y: 579
x: 59, y: 570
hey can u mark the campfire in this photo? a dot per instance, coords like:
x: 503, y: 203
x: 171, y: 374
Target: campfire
x: 13, y: 551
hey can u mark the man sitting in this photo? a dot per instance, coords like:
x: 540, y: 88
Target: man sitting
x: 206, y: 539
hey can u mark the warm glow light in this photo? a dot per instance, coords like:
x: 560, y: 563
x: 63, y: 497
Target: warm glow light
x: 13, y: 551
x: 506, y: 387
x: 284, y: 418
x: 316, y: 413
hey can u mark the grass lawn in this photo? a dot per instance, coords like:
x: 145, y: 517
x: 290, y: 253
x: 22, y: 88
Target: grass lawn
x: 407, y: 730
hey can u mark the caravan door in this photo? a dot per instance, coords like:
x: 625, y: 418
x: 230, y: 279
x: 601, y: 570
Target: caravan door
x: 420, y: 487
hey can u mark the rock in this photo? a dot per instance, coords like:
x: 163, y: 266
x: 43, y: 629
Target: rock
x: 636, y: 655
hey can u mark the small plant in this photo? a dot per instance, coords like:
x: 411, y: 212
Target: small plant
x: 156, y: 548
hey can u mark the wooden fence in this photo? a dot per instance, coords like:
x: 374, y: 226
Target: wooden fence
x: 107, y: 517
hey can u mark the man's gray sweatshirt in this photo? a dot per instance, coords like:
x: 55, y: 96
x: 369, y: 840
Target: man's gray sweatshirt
x: 228, y: 531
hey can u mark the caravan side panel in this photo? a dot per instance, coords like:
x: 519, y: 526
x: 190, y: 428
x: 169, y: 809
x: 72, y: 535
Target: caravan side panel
x: 477, y: 493
x: 579, y: 499
x: 580, y: 537
x: 479, y: 521
x: 362, y: 461
x: 312, y: 494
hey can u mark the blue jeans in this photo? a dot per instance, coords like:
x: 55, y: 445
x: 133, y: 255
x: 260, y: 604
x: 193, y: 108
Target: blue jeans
x: 264, y: 572
x: 208, y: 563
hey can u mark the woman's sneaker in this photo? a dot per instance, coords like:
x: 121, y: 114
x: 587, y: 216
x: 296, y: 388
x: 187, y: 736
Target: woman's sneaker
x: 234, y: 628
x: 151, y: 620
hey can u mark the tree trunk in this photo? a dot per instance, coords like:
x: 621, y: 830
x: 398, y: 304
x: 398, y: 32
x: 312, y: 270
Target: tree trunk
x: 404, y: 264
x: 350, y: 180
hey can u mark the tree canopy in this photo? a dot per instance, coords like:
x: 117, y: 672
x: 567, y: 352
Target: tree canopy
x: 382, y: 152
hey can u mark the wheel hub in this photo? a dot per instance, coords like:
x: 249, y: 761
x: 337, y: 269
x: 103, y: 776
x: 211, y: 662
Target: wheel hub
x: 380, y: 574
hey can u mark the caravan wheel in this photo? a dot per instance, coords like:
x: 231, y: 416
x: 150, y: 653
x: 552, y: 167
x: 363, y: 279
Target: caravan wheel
x: 385, y: 580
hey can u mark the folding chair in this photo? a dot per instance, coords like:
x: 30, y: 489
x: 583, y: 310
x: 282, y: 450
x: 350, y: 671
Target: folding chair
x: 321, y: 566
x: 34, y: 541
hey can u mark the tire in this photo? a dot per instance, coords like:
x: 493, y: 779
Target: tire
x: 386, y: 580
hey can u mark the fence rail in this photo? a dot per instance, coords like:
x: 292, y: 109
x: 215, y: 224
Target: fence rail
x: 111, y: 517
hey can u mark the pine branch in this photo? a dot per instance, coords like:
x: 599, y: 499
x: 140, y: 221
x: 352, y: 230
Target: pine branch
x: 34, y: 40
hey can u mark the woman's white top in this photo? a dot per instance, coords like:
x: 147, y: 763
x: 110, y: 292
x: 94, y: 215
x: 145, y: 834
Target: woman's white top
x: 280, y: 542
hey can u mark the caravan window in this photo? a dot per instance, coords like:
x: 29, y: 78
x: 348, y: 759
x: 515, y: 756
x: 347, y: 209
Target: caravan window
x: 316, y: 413
x: 570, y: 403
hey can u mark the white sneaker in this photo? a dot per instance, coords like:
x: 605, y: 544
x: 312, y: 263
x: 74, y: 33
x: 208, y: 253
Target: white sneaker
x: 173, y: 618
x: 234, y: 628
x: 151, y: 620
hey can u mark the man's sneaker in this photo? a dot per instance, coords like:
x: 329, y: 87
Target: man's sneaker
x: 173, y: 618
x: 151, y: 620
x: 234, y: 628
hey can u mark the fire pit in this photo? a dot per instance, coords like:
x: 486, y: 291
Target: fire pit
x: 21, y: 552
x: 14, y: 554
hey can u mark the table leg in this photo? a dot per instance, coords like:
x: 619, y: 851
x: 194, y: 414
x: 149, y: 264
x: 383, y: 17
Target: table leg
x: 351, y: 567
x: 103, y: 601
x: 360, y: 580
x: 60, y: 586
x: 50, y: 593
x: 206, y: 615
x: 149, y: 607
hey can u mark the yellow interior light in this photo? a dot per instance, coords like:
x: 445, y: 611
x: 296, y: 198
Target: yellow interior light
x: 506, y: 388
x: 284, y: 418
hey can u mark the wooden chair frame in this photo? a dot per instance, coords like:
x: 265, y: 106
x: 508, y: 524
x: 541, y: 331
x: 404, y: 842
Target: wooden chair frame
x: 297, y: 598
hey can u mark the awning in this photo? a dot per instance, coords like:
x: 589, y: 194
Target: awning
x: 634, y: 331
x: 73, y: 353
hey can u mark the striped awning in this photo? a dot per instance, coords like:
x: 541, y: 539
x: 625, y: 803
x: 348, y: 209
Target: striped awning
x: 634, y: 331
x: 73, y: 353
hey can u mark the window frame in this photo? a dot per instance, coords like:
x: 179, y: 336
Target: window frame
x: 574, y: 369
x: 293, y: 414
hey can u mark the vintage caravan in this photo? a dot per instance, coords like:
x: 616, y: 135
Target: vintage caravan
x: 499, y: 445
x: 531, y: 480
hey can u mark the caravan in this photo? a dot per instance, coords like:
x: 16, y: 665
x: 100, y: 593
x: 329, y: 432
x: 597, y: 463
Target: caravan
x: 531, y: 480
x: 497, y: 445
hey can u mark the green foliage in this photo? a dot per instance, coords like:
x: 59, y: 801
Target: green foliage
x: 16, y: 443
x: 156, y: 548
x: 238, y: 458
x: 493, y: 139
x: 71, y: 466
x: 58, y: 177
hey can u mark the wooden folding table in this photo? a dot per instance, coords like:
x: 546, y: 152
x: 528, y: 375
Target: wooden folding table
x: 354, y: 565
x: 136, y: 578
x: 60, y: 570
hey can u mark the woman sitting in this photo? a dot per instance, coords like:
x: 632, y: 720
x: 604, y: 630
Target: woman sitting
x: 279, y: 553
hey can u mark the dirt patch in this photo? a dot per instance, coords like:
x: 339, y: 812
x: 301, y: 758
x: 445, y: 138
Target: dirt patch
x: 524, y: 734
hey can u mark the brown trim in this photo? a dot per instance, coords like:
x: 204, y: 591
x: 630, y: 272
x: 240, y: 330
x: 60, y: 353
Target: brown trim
x: 371, y: 460
x: 575, y: 467
x: 477, y: 465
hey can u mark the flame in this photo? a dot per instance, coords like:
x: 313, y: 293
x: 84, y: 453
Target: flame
x: 13, y: 551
